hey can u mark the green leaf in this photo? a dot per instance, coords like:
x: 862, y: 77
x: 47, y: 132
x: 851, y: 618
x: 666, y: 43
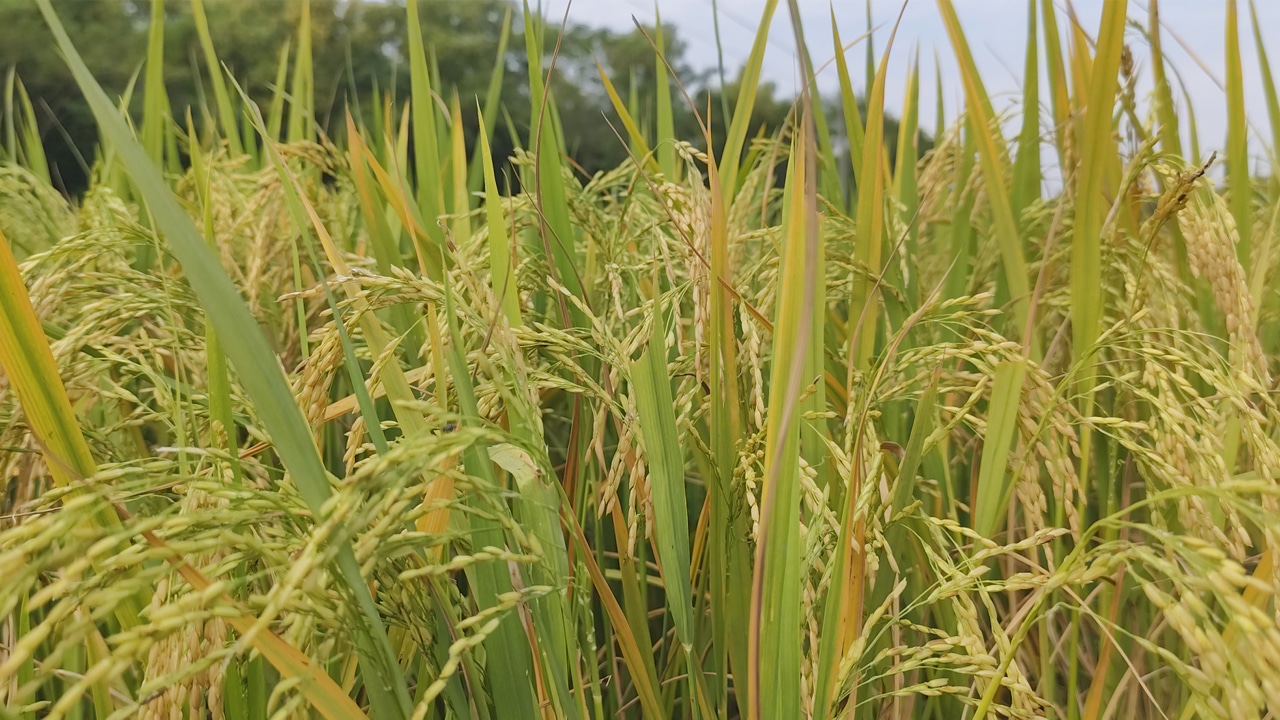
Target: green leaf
x: 501, y: 263
x: 221, y: 98
x: 995, y: 484
x: 1239, y: 183
x: 666, y: 125
x: 774, y: 660
x: 748, y: 84
x: 1026, y: 168
x: 995, y: 166
x: 666, y: 476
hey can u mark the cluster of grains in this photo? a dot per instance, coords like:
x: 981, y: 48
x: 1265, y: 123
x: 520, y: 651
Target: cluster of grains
x: 1210, y: 232
x: 311, y: 383
x: 33, y: 215
x: 639, y: 497
x: 748, y: 475
x: 937, y: 171
x: 689, y: 210
x: 1234, y: 643
x: 753, y: 358
x: 1176, y: 451
x: 189, y: 685
x: 191, y: 695
x: 1046, y: 432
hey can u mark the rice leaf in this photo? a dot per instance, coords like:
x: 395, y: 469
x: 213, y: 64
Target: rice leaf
x: 639, y: 146
x: 155, y: 100
x: 1166, y: 111
x: 501, y: 262
x: 1059, y: 89
x: 666, y: 471
x: 426, y: 143
x: 302, y: 101
x: 1239, y: 182
x: 221, y: 98
x: 748, y: 86
x: 666, y: 141
x: 848, y: 102
x: 1096, y: 160
x: 1268, y: 83
x: 994, y: 168
x: 774, y: 653
x: 1026, y: 168
x: 869, y: 246
x: 30, y: 368
x: 493, y: 95
x: 995, y: 484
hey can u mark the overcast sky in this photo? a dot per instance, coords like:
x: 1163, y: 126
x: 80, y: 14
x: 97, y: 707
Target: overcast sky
x: 996, y: 30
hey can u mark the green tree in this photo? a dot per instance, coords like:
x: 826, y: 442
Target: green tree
x: 111, y: 35
x: 360, y: 56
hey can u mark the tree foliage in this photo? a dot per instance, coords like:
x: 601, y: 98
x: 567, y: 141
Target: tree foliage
x: 360, y: 53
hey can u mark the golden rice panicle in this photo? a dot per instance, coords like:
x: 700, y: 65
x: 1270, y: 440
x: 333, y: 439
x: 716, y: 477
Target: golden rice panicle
x: 1210, y: 230
x: 187, y: 659
x: 311, y: 385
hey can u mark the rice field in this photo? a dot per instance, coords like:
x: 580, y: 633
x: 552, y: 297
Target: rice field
x: 369, y: 423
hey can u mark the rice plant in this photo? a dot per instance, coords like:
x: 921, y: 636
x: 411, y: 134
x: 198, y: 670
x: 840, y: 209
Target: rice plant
x: 365, y: 422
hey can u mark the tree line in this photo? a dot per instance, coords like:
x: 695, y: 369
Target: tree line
x: 360, y: 53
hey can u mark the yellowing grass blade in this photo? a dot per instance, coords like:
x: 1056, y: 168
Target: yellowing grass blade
x: 1166, y: 112
x: 32, y: 372
x: 640, y: 146
x: 994, y: 168
x: 1097, y: 157
x: 848, y: 102
x: 1026, y: 168
x: 748, y: 83
x: 1239, y: 184
x: 773, y: 665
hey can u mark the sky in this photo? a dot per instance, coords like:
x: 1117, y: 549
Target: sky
x: 1194, y: 42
